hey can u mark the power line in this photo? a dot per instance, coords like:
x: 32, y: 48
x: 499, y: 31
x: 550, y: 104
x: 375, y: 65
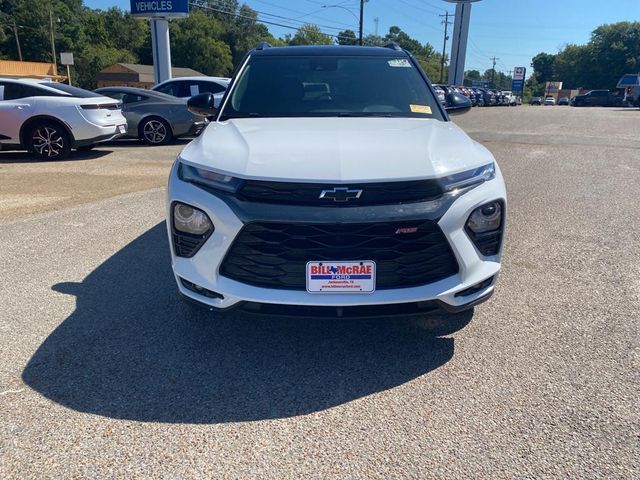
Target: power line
x: 202, y: 4
x: 266, y: 22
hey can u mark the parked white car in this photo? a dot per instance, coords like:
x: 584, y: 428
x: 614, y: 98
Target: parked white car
x: 549, y: 100
x: 49, y: 118
x: 185, y: 87
x: 365, y: 201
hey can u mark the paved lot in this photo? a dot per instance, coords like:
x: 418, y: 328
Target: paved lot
x: 104, y: 373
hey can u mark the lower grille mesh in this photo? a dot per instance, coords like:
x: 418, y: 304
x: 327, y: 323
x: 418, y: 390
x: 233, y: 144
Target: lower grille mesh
x: 275, y: 255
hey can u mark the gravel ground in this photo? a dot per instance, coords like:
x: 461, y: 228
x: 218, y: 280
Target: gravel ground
x: 104, y: 373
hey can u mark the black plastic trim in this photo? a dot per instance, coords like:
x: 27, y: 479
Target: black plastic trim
x: 254, y: 211
x: 466, y: 306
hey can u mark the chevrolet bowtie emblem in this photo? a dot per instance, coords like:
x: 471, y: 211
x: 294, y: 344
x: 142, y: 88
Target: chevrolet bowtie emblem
x: 340, y: 194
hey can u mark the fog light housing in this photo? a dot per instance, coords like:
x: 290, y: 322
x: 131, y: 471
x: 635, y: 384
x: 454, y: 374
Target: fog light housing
x: 200, y: 290
x: 485, y: 227
x: 191, y: 228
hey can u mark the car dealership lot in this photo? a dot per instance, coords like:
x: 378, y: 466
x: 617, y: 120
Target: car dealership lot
x: 104, y: 372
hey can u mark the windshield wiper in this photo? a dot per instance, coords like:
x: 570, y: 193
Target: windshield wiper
x: 242, y: 115
x: 364, y: 114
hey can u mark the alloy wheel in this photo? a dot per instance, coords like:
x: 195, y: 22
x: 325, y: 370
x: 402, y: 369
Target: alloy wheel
x: 154, y: 131
x: 47, y: 142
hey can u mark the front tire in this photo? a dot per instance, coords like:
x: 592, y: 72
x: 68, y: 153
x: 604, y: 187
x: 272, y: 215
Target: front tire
x: 155, y: 131
x: 48, y: 141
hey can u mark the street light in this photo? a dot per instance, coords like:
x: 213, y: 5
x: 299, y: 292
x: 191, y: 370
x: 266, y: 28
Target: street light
x: 354, y: 16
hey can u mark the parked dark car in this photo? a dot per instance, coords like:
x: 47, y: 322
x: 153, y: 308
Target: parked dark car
x: 478, y: 96
x: 563, y: 101
x: 487, y: 97
x: 597, y: 98
x: 536, y: 101
x: 155, y: 117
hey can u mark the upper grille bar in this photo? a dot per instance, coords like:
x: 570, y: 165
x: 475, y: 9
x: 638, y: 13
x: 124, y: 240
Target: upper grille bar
x: 386, y: 193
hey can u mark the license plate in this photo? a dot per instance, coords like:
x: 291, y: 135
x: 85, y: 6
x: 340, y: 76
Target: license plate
x: 341, y: 277
x: 122, y: 128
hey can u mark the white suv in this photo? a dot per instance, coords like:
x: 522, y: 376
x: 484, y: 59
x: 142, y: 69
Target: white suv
x: 366, y: 200
x: 49, y: 118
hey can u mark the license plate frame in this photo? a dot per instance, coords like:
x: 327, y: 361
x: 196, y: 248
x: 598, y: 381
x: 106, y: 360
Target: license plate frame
x: 341, y: 276
x: 122, y: 129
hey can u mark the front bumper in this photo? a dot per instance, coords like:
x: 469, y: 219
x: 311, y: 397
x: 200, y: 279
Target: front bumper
x: 203, y: 269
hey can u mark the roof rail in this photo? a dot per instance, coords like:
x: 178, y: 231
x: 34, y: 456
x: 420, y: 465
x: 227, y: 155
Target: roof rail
x: 263, y: 45
x: 393, y: 46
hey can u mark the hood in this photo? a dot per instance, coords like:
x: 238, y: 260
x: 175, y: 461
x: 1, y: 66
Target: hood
x: 335, y: 149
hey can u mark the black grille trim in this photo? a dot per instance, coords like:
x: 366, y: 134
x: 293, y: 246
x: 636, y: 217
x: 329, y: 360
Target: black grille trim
x: 386, y: 193
x: 274, y: 255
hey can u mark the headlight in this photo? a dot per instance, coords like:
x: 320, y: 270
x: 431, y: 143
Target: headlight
x: 188, y: 219
x: 469, y: 178
x: 486, y: 218
x: 208, y: 178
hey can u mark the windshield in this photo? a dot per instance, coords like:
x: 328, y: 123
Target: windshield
x: 317, y: 86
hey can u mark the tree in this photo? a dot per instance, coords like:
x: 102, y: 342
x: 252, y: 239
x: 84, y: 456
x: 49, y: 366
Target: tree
x: 472, y: 75
x: 194, y: 44
x: 543, y: 66
x: 347, y: 37
x: 309, y: 34
x: 612, y: 51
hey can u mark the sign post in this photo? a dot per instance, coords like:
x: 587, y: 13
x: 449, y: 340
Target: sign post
x: 517, y: 84
x: 160, y: 12
x: 66, y: 58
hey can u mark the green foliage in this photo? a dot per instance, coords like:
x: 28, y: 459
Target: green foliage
x: 309, y: 34
x: 195, y: 44
x: 347, y: 37
x: 213, y: 39
x: 612, y: 51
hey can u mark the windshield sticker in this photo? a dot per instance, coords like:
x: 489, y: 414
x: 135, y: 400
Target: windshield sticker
x: 420, y: 109
x: 399, y: 62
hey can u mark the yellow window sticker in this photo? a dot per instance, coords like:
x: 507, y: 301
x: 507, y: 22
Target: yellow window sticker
x: 420, y: 109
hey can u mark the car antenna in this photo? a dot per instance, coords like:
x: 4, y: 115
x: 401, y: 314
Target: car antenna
x: 263, y: 45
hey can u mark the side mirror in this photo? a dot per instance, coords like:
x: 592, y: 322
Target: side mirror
x: 203, y: 104
x: 456, y: 103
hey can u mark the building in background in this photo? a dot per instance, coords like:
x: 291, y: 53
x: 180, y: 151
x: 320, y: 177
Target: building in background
x: 134, y: 75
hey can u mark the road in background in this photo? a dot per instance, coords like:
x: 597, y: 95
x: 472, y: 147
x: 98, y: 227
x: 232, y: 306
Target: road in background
x: 105, y: 373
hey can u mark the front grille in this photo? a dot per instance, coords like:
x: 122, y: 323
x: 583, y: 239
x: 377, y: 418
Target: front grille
x: 387, y: 193
x: 275, y: 255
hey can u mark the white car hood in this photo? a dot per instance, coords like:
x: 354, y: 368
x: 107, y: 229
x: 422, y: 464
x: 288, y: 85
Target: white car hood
x: 335, y: 149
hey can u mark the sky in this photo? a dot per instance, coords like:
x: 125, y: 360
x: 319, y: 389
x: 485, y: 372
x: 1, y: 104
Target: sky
x: 511, y: 30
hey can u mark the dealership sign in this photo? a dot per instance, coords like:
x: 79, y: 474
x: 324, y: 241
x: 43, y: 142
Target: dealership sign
x: 517, y: 84
x: 159, y: 8
x: 519, y: 73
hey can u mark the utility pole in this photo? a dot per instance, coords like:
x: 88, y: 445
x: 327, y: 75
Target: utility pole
x: 53, y: 44
x: 446, y: 23
x: 15, y: 33
x: 361, y: 20
x: 493, y: 71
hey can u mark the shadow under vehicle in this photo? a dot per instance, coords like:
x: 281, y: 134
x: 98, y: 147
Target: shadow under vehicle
x: 131, y: 350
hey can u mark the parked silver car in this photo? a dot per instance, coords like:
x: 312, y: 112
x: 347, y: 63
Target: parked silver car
x: 154, y: 117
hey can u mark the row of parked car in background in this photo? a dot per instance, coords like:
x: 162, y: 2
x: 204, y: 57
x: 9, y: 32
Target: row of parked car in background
x: 628, y: 95
x: 49, y: 119
x: 480, y: 97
